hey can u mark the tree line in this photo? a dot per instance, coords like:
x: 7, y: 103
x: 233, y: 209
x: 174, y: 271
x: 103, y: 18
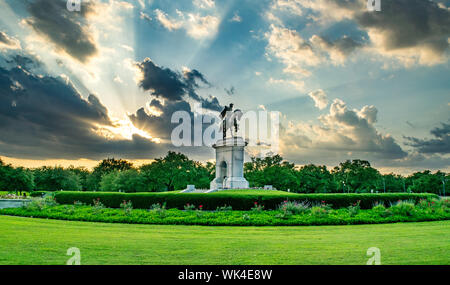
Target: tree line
x: 175, y: 171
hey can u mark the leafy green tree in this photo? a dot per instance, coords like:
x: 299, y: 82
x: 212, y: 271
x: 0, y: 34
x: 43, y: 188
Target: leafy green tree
x: 172, y: 171
x: 392, y: 182
x: 55, y: 179
x: 129, y: 181
x: 199, y: 175
x: 427, y: 182
x: 176, y: 171
x: 356, y: 176
x: 150, y: 178
x: 15, y: 179
x: 315, y: 179
x: 108, y: 182
x: 83, y: 174
x: 271, y: 170
x: 104, y: 167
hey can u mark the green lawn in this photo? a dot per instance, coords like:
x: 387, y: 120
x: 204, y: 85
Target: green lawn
x: 39, y: 241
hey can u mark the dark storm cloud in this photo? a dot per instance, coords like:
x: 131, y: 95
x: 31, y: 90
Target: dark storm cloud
x: 173, y: 86
x: 24, y: 62
x: 439, y: 144
x: 160, y: 125
x: 43, y: 117
x: 67, y: 30
x: 410, y: 23
x: 344, y: 45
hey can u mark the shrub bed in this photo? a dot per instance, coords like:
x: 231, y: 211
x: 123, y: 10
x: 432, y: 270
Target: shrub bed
x: 235, y: 200
x: 288, y: 214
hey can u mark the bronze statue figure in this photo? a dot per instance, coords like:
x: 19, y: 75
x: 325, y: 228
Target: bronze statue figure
x: 230, y: 119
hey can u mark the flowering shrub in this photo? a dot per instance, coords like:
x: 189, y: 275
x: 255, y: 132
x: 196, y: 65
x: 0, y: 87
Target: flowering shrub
x: 127, y: 207
x: 199, y: 212
x: 97, y: 206
x: 325, y: 205
x: 404, y: 208
x: 189, y: 207
x: 381, y: 210
x: 319, y: 212
x: 294, y: 207
x: 159, y: 209
x: 257, y: 207
x: 69, y: 209
x: 224, y: 208
x: 317, y: 215
x: 353, y: 210
x: 41, y: 203
x: 78, y: 203
x: 35, y: 205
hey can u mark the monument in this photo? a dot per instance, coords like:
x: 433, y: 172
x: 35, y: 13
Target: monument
x: 229, y: 153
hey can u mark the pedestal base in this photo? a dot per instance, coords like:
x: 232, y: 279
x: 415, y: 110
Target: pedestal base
x: 229, y: 183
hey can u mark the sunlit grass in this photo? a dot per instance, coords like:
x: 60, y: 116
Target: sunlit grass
x: 39, y: 241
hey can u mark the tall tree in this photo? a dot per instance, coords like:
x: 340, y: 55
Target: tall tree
x: 356, y: 176
x: 172, y: 171
x: 55, y: 179
x: 271, y: 170
x: 104, y: 167
x: 315, y: 179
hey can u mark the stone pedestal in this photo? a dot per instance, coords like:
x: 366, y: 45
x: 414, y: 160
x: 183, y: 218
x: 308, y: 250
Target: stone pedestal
x: 229, y: 164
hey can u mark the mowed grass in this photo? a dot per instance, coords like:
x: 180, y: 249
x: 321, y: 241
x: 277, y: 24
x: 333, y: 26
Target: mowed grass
x: 39, y: 241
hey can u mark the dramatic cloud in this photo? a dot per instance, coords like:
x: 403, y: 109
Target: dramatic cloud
x: 292, y: 6
x: 156, y: 118
x: 204, y: 4
x: 174, y: 86
x: 43, y: 117
x: 197, y: 26
x: 337, y: 50
x: 7, y: 42
x: 67, y: 30
x: 299, y: 54
x: 320, y: 98
x: 409, y: 31
x: 342, y: 131
x: 439, y: 144
x: 293, y: 51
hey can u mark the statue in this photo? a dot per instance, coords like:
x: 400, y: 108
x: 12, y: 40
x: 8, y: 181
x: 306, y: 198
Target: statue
x: 230, y: 119
x: 229, y: 154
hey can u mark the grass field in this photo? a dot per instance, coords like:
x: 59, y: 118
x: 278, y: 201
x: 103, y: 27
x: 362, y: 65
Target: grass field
x: 39, y: 241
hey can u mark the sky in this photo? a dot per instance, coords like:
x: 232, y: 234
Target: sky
x: 348, y: 82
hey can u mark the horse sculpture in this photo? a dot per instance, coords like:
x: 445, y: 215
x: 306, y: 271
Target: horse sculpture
x: 230, y: 119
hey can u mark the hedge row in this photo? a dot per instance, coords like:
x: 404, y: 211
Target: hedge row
x: 236, y: 201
